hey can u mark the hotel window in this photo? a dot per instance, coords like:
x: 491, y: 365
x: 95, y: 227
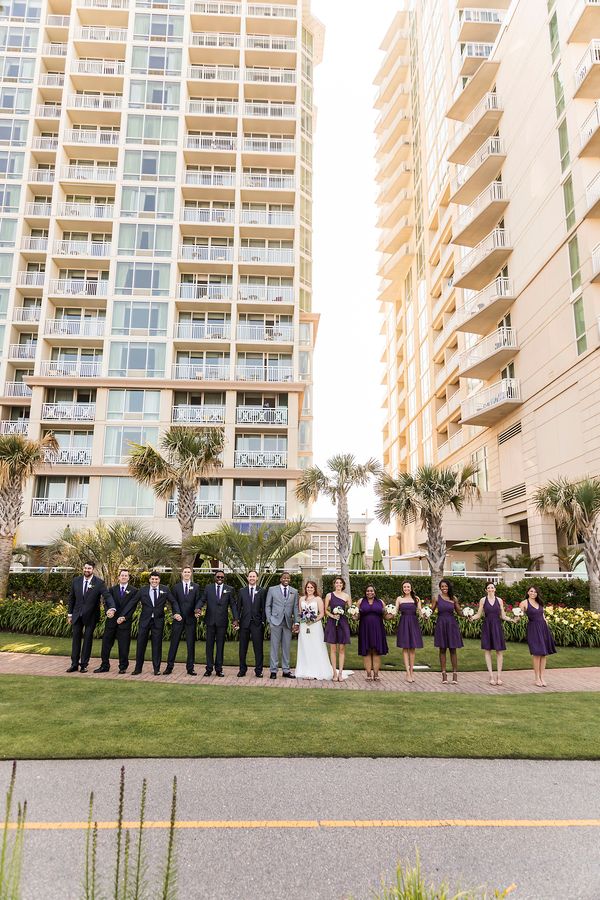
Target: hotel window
x: 154, y: 95
x: 4, y: 295
x: 15, y: 100
x: 143, y: 278
x: 125, y: 497
x: 579, y: 319
x: 145, y: 240
x: 569, y: 199
x: 141, y: 359
x: 11, y: 164
x: 135, y: 317
x: 119, y: 438
x: 479, y: 459
x: 559, y: 93
x: 10, y: 197
x: 156, y: 61
x: 148, y: 201
x: 138, y: 405
x: 8, y: 231
x: 574, y: 264
x: 554, y: 39
x: 152, y: 129
x: 6, y: 265
x: 563, y: 142
x: 13, y: 132
x: 157, y: 27
x: 147, y: 164
x: 17, y: 68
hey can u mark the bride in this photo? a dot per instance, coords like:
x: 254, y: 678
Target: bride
x: 313, y: 661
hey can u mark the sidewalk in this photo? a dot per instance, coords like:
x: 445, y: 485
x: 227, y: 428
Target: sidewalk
x: 515, y: 682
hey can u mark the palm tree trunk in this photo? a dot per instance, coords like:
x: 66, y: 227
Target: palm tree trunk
x: 186, y: 516
x: 343, y: 536
x: 436, y: 552
x: 591, y: 553
x: 6, y: 546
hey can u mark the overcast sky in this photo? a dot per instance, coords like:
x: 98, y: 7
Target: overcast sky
x: 348, y: 392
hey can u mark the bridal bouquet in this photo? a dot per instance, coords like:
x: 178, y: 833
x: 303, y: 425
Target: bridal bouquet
x: 391, y: 609
x: 338, y: 611
x: 353, y: 613
x: 427, y: 612
x: 517, y: 612
x: 468, y: 612
x: 308, y: 616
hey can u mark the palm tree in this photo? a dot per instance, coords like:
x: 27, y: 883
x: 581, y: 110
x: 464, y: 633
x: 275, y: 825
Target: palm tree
x: 569, y: 558
x: 343, y: 475
x: 486, y: 561
x: 265, y: 548
x: 524, y: 561
x: 129, y: 545
x: 425, y: 497
x: 575, y: 507
x: 189, y: 455
x: 19, y: 458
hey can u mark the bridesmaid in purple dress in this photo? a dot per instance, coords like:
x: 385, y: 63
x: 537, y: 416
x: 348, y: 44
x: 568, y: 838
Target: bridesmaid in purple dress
x: 492, y: 633
x: 539, y: 637
x: 337, y: 629
x: 409, y: 636
x: 372, y: 643
x: 446, y: 635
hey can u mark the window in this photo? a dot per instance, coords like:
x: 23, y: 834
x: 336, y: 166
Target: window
x: 138, y: 405
x: 479, y: 459
x: 6, y: 265
x: 145, y: 240
x: 4, y: 294
x: 136, y: 358
x: 17, y: 68
x: 152, y: 129
x: 554, y: 40
x: 563, y: 142
x: 574, y: 264
x: 26, y: 10
x: 10, y: 197
x: 18, y: 38
x: 8, y: 231
x: 119, y: 438
x: 15, y: 100
x: 13, y: 132
x: 569, y: 198
x: 143, y: 278
x: 11, y: 164
x: 559, y: 93
x: 158, y: 27
x: 156, y: 60
x: 579, y: 318
x: 149, y: 164
x: 154, y: 94
x: 125, y: 497
x: 133, y: 317
x: 148, y: 201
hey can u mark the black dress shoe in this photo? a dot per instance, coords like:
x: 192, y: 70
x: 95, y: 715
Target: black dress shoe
x: 288, y: 675
x: 219, y: 675
x: 192, y: 672
x: 137, y: 672
x: 101, y: 669
x: 168, y: 670
x: 259, y: 674
x: 241, y: 674
x: 273, y: 675
x: 73, y: 669
x: 157, y: 671
x: 207, y: 674
x: 83, y: 669
x: 122, y: 671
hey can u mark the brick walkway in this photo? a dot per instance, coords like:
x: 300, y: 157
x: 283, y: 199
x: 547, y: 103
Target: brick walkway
x: 515, y: 682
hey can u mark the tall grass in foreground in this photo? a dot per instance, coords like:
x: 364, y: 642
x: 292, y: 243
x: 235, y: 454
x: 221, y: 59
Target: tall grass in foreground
x: 410, y: 885
x: 11, y: 850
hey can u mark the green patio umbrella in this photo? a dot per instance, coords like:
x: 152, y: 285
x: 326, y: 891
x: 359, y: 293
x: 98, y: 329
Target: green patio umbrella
x: 357, y: 562
x: 487, y: 543
x: 377, y: 564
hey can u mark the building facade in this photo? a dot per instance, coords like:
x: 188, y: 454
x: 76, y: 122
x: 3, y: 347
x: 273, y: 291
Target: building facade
x: 489, y: 159
x: 155, y: 260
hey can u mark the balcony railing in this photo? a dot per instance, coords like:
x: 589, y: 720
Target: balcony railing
x: 100, y: 33
x: 98, y: 66
x: 210, y: 142
x: 264, y: 373
x: 276, y: 218
x: 269, y: 145
x: 198, y: 415
x: 94, y: 101
x: 69, y: 508
x: 271, y: 11
x: 489, y: 103
x: 69, y: 456
x: 450, y: 446
x: 498, y: 239
x: 258, y: 510
x: 88, y: 173
x: 205, y: 291
x: 270, y: 42
x: 228, y: 108
x: 47, y: 111
x: 208, y: 215
x: 205, y: 509
x: 36, y: 208
x: 39, y: 176
x: 93, y: 137
x: 34, y: 244
x: 270, y: 110
x: 80, y: 327
x: 26, y: 314
x: 78, y: 286
x: 200, y: 331
x: 17, y: 389
x: 216, y: 8
x: 43, y: 142
x: 596, y: 263
x: 501, y: 339
x: 255, y: 415
x: 269, y: 182
x: 31, y: 279
x: 495, y: 193
x: 260, y: 459
x: 104, y: 4
x: 82, y: 248
x: 228, y: 40
x: 58, y: 21
x: 494, y: 146
x: 22, y: 351
x: 590, y: 126
x: 266, y: 293
x: 201, y: 253
x: 490, y: 398
x: 52, y: 79
x: 19, y: 426
x: 214, y: 73
x: 69, y: 412
x: 590, y: 59
x: 592, y: 193
x: 85, y: 211
x: 53, y: 49
x: 270, y: 76
x: 201, y: 371
x: 472, y: 54
x: 283, y: 256
x: 278, y: 333
x: 210, y: 179
x: 501, y: 289
x: 67, y: 368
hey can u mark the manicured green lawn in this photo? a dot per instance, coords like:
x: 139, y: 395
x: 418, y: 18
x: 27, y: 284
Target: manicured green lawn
x: 52, y: 718
x: 470, y: 659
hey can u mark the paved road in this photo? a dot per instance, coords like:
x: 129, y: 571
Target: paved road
x: 263, y: 858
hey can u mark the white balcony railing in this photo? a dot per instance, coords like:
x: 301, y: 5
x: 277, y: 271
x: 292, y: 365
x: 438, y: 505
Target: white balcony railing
x: 270, y: 110
x: 80, y: 327
x: 26, y: 314
x: 69, y: 456
x: 58, y: 21
x: 198, y: 415
x: 216, y: 8
x: 495, y: 192
x: 500, y: 288
x: 200, y: 331
x: 68, y: 508
x: 270, y: 42
x: 39, y: 176
x: 256, y: 415
x: 210, y: 179
x: 193, y: 371
x: 82, y: 248
x: 494, y: 146
x: 208, y: 215
x: 264, y: 373
x: 276, y: 218
x: 502, y: 391
x: 47, y: 111
x: 78, y: 286
x: 104, y: 4
x: 22, y: 351
x: 94, y: 137
x: 590, y: 126
x: 258, y: 510
x: 31, y: 279
x: 79, y: 368
x: 266, y: 293
x: 278, y: 333
x: 205, y: 509
x: 201, y: 253
x: 596, y: 262
x: 592, y: 192
x: 260, y: 459
x: 482, y: 16
x: 202, y: 291
x: 283, y: 256
x: 475, y: 51
x: 98, y: 67
x: 228, y: 40
x: 37, y: 208
x: 498, y: 239
x: 52, y: 79
x: 88, y: 173
x: 94, y: 101
x: 85, y: 211
x: 18, y: 426
x: 271, y: 11
x: 490, y: 102
x: 44, y: 142
x: 16, y: 389
x: 214, y: 73
x: 34, y: 244
x: 228, y: 108
x: 54, y: 49
x: 100, y: 33
x: 269, y: 182
x: 450, y: 446
x: 501, y: 339
x: 269, y: 145
x: 590, y: 59
x: 211, y: 142
x: 270, y: 76
x: 69, y: 412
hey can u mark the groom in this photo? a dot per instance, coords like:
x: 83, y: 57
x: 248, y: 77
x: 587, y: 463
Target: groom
x: 281, y: 610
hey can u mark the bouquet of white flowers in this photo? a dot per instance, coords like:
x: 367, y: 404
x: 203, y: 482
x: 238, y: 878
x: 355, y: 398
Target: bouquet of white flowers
x: 427, y: 612
x: 353, y: 613
x: 517, y: 612
x: 390, y: 609
x: 338, y: 611
x: 468, y: 612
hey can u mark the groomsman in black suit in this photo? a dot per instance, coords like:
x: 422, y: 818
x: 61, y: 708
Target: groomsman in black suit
x: 154, y: 599
x: 251, y: 615
x: 87, y: 592
x: 117, y: 626
x: 217, y: 598
x: 188, y: 597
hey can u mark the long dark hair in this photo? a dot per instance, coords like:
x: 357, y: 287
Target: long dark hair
x: 450, y: 587
x: 412, y: 591
x: 538, y: 596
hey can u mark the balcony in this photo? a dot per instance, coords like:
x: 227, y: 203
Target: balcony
x: 16, y: 389
x: 492, y: 404
x: 97, y: 102
x: 271, y: 76
x: 478, y: 267
x: 88, y: 249
x: 52, y: 79
x: 31, y: 279
x: 104, y: 4
x: 272, y: 256
x: 94, y: 137
x: 256, y: 415
x: 88, y: 173
x: 269, y: 182
x: 263, y: 293
x: 450, y: 446
x: 482, y: 311
x: 42, y: 176
x: 260, y: 459
x: 214, y: 73
x: 110, y: 67
x: 481, y: 124
x: 592, y: 196
x: 269, y: 110
x: 481, y: 216
x: 101, y: 33
x: 589, y: 134
x: 202, y: 291
x: 74, y: 327
x: 208, y: 215
x: 85, y: 211
x: 200, y: 331
x: 286, y: 146
x: 271, y: 374
x: 242, y: 510
x: 210, y: 179
x: 280, y: 334
x: 273, y: 218
x: 227, y: 109
x: 198, y: 415
x: 75, y: 368
x: 69, y: 412
x: 22, y: 351
x: 69, y: 456
x: 78, y: 287
x: 17, y: 426
x: 54, y: 49
x: 199, y: 371
x: 478, y: 172
x: 271, y: 11
x: 489, y: 355
x: 587, y: 73
x: 269, y: 43
x: 27, y: 314
x: 67, y: 508
x: 596, y: 264
x: 34, y: 245
x: 42, y: 142
x: 471, y: 57
x: 447, y: 370
x: 479, y: 24
x: 209, y: 39
x: 205, y: 509
x: 38, y: 210
x: 202, y: 142
x: 202, y: 253
x: 216, y: 8
x: 47, y: 111
x: 585, y: 21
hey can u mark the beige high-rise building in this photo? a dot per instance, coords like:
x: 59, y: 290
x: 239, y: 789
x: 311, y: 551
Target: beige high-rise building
x: 155, y: 253
x: 489, y: 176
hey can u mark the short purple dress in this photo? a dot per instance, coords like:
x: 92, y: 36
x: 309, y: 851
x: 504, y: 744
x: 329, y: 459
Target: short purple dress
x: 492, y: 632
x: 409, y: 635
x: 539, y: 636
x: 447, y: 632
x: 337, y: 632
x: 371, y: 632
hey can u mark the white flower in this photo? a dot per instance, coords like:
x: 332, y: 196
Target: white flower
x: 518, y: 612
x: 468, y: 612
x: 391, y: 609
x: 338, y: 611
x: 353, y: 612
x: 427, y: 611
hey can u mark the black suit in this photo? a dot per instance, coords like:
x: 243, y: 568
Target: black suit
x: 84, y: 607
x: 251, y: 616
x: 216, y: 621
x: 119, y: 602
x: 152, y: 622
x: 188, y: 603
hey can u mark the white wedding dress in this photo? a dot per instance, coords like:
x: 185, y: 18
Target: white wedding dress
x: 313, y: 660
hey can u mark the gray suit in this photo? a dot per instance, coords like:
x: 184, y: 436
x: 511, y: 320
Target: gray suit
x: 281, y: 615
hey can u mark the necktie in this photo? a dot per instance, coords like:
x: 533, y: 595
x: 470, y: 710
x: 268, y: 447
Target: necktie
x: 154, y: 597
x: 251, y: 596
x: 86, y: 585
x: 122, y: 591
x: 185, y: 590
x: 285, y: 590
x: 219, y: 588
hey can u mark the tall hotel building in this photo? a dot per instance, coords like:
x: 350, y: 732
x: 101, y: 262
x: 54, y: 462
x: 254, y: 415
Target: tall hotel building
x: 155, y: 252
x: 489, y: 196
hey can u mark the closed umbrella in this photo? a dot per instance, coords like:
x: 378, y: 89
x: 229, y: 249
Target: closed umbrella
x: 377, y: 564
x: 356, y: 562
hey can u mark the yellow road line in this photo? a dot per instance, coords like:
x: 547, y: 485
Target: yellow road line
x: 321, y: 823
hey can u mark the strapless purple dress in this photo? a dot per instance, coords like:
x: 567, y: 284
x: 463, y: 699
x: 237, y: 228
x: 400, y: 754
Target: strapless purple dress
x: 409, y: 635
x: 539, y: 636
x: 492, y: 632
x: 371, y: 631
x: 447, y: 633
x: 337, y: 632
